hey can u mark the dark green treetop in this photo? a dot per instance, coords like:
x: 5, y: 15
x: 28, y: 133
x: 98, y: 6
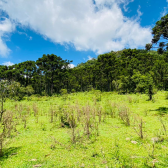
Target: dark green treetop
x: 160, y: 35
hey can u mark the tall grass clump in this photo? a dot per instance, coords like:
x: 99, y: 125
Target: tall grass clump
x: 124, y: 114
x: 36, y: 112
x: 138, y: 126
x: 6, y: 127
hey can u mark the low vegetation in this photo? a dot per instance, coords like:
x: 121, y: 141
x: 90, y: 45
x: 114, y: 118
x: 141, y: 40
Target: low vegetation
x: 90, y: 129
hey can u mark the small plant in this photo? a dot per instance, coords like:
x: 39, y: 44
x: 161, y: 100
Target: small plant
x: 139, y: 127
x: 113, y: 109
x: 73, y: 124
x: 35, y: 109
x: 164, y: 127
x: 73, y: 91
x: 130, y: 99
x: 4, y: 87
x: 146, y: 112
x: 79, y: 113
x: 43, y: 126
x: 87, y: 121
x: 52, y: 112
x: 24, y: 118
x: 99, y: 112
x: 98, y: 95
x: 124, y: 115
x: 117, y: 151
x: 6, y: 127
x: 64, y: 118
x: 64, y: 93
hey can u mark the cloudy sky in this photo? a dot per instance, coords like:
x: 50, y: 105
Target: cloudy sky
x: 76, y: 30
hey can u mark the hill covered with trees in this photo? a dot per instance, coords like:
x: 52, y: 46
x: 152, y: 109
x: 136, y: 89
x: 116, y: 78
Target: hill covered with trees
x: 126, y: 71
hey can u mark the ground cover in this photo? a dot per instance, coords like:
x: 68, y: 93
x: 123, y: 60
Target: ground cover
x: 90, y: 129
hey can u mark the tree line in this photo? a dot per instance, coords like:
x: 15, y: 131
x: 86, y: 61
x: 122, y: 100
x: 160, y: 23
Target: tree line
x: 126, y: 71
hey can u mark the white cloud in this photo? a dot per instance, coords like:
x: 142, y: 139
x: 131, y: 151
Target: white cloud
x: 100, y: 27
x: 71, y: 65
x: 5, y: 27
x: 8, y: 63
x: 139, y: 12
x: 164, y: 12
x: 89, y: 57
x: 23, y: 33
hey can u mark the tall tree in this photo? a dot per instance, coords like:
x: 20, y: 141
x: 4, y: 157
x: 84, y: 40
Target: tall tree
x: 52, y: 66
x: 160, y: 35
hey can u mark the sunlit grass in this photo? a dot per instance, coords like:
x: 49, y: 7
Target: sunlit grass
x: 47, y: 144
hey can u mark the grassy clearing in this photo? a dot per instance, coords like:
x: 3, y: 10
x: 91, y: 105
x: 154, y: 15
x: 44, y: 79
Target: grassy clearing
x: 88, y: 129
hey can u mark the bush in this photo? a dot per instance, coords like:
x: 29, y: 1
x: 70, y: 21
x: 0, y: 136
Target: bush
x: 63, y: 91
x: 124, y: 115
x: 73, y: 91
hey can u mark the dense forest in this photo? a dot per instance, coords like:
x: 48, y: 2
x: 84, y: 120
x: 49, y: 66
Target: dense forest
x: 126, y: 71
x: 129, y: 70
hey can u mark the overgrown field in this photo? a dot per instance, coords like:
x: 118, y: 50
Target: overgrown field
x: 89, y: 129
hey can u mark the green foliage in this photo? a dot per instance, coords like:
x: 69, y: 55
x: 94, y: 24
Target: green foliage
x: 160, y: 32
x: 97, y: 94
x: 4, y: 84
x: 63, y: 91
x: 73, y: 91
x: 148, y: 46
x: 123, y: 71
x: 144, y: 83
x: 29, y: 90
x: 54, y: 68
x: 16, y: 92
x: 123, y: 84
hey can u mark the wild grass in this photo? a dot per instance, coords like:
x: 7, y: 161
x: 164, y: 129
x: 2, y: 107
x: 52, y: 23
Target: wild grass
x: 90, y: 129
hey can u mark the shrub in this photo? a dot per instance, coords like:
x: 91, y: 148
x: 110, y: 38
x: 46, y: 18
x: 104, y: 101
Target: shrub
x: 64, y: 93
x: 73, y: 91
x: 124, y: 115
x: 138, y: 127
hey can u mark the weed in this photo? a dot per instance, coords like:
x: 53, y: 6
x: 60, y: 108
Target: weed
x: 6, y: 128
x: 43, y: 126
x: 35, y: 109
x: 99, y: 112
x: 139, y: 128
x: 124, y: 115
x: 73, y: 124
x: 164, y: 127
x: 130, y: 99
x: 87, y: 121
x: 64, y: 118
x: 52, y: 112
x: 146, y: 112
x: 113, y: 110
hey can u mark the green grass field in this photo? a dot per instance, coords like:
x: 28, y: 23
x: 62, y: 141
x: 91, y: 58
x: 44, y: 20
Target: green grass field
x: 89, y: 129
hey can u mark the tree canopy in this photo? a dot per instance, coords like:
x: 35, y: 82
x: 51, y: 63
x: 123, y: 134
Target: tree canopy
x: 160, y: 35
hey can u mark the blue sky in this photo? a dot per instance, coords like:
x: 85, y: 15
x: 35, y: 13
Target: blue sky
x: 74, y: 29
